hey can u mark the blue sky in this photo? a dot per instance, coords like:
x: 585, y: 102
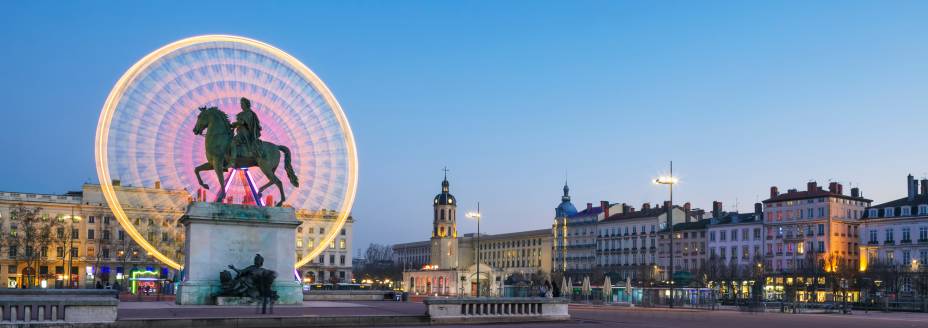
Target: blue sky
x: 510, y: 95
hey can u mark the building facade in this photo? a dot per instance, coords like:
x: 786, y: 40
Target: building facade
x: 84, y: 244
x: 77, y: 242
x: 894, y: 242
x: 447, y: 264
x: 815, y: 229
x: 736, y: 240
x: 334, y: 264
x: 627, y: 240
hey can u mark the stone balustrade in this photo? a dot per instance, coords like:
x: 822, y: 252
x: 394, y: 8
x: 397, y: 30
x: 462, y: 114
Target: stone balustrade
x: 347, y: 295
x: 496, y: 309
x: 57, y: 306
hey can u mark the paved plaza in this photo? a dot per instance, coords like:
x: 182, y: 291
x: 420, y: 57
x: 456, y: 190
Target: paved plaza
x: 581, y: 315
x: 169, y: 310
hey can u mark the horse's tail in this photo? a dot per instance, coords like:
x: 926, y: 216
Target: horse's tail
x: 288, y: 167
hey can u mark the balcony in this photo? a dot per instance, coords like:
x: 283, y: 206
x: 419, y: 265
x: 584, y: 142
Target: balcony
x: 905, y: 241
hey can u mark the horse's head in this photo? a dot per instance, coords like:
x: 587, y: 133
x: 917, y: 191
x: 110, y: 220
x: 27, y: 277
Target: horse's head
x: 203, y: 119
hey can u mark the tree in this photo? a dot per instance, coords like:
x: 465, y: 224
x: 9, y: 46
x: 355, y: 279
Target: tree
x: 378, y: 264
x: 30, y: 237
x: 64, y: 241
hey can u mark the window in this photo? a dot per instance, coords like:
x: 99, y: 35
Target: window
x: 821, y: 229
x: 74, y: 252
x: 332, y: 259
x: 12, y: 252
x: 711, y: 235
x: 889, y: 235
x: 821, y: 212
x: 905, y: 211
x: 91, y: 219
x: 923, y: 233
x: 59, y: 252
x: 873, y: 236
x: 321, y: 259
x: 873, y: 213
x: 321, y: 231
x: 106, y: 253
x: 889, y: 212
x: 341, y: 260
x: 809, y: 213
x: 734, y: 234
x: 121, y: 235
x: 723, y: 235
x: 299, y: 242
x: 60, y: 233
x: 341, y: 244
x: 906, y: 234
x: 75, y: 233
x: 821, y: 246
x: 90, y: 234
x: 923, y: 209
x: 332, y: 245
x: 106, y: 234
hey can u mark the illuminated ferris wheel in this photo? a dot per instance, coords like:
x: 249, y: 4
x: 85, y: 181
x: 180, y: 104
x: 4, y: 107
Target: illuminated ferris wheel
x: 144, y: 135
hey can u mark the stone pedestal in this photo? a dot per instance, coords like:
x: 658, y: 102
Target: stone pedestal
x: 218, y: 235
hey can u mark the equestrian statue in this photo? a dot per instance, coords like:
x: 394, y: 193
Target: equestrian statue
x: 238, y: 145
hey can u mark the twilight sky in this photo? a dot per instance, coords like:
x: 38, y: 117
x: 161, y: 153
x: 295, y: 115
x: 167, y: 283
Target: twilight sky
x: 511, y: 95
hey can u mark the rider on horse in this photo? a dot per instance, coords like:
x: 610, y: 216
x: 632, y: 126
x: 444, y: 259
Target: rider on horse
x: 247, y: 131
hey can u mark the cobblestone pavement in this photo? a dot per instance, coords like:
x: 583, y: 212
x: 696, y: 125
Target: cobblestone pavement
x: 160, y: 310
x: 610, y: 316
x: 582, y: 315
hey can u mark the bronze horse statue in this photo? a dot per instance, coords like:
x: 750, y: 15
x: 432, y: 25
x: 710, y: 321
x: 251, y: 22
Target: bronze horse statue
x: 218, y: 149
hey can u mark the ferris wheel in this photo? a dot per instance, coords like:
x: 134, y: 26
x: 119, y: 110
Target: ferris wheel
x: 145, y: 136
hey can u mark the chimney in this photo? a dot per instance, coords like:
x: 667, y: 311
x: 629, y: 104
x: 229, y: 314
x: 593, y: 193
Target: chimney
x: 605, y: 205
x: 645, y: 206
x: 686, y: 211
x: 912, y: 187
x: 840, y: 189
x: 716, y: 209
x: 626, y: 208
x: 855, y: 192
x: 666, y: 204
x: 589, y: 206
x: 811, y: 186
x: 833, y: 187
x: 774, y: 192
x: 116, y: 182
x: 758, y: 208
x: 924, y: 186
x: 157, y: 184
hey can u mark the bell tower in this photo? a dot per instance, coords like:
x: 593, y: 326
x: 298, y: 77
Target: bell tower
x: 444, y: 228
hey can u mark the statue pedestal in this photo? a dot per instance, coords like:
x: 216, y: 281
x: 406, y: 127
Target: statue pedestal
x: 218, y: 235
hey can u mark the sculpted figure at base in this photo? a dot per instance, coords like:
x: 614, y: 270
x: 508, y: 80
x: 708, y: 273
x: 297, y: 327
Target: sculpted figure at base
x: 245, y: 149
x: 252, y: 281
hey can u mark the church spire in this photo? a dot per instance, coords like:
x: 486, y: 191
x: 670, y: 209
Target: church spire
x: 444, y: 183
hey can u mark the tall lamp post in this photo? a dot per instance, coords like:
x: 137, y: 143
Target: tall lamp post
x: 669, y: 181
x: 476, y: 216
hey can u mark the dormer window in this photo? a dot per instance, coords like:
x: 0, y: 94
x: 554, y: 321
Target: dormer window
x: 906, y: 211
x: 923, y: 209
x: 889, y: 212
x: 874, y: 213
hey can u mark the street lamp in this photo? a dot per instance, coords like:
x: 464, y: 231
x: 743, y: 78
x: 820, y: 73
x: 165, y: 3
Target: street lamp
x: 476, y: 216
x: 669, y: 180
